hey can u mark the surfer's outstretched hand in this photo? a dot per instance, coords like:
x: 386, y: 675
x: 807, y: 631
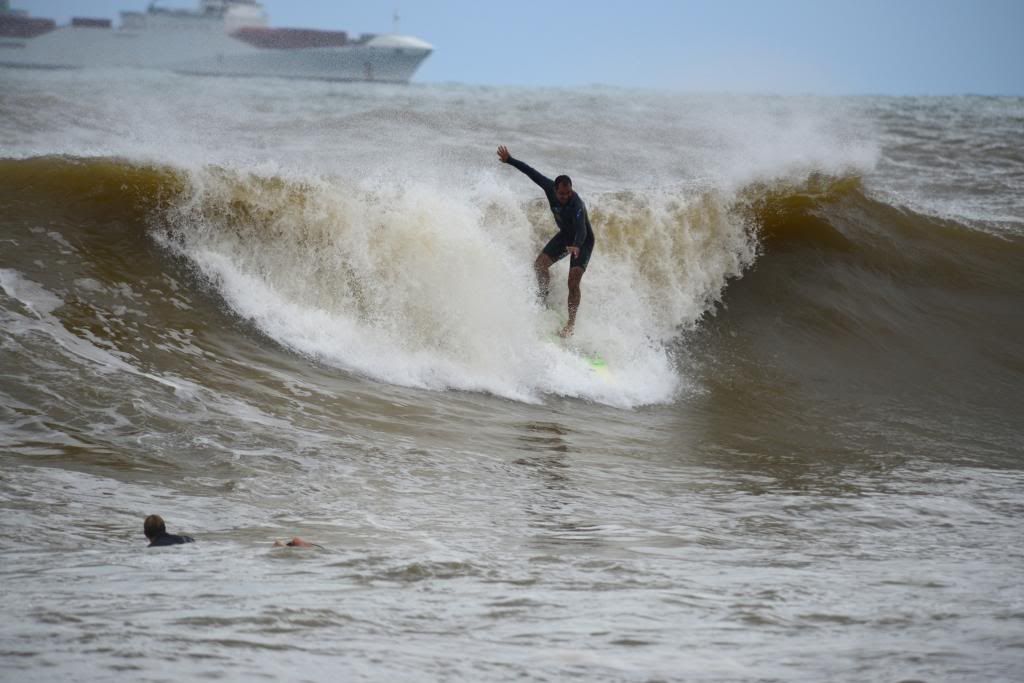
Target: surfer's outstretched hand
x: 503, y: 154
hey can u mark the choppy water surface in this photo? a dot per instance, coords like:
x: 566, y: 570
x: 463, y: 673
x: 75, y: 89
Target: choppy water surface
x: 264, y: 309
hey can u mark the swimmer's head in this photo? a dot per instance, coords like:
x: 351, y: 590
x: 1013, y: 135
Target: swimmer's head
x: 154, y: 526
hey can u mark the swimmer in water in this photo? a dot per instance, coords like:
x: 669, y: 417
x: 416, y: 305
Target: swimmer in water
x: 296, y: 543
x: 156, y: 532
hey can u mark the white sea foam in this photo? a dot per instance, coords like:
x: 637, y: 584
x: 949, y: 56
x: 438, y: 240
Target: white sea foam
x: 32, y: 295
x: 419, y: 287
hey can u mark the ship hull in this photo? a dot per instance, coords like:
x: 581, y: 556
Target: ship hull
x: 335, y: 64
x: 391, y: 59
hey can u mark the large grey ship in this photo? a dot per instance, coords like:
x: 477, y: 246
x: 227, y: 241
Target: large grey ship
x: 219, y: 37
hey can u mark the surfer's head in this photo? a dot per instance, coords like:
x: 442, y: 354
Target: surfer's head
x: 563, y: 189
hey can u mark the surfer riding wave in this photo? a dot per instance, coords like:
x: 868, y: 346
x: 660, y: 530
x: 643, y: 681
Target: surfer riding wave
x: 574, y: 237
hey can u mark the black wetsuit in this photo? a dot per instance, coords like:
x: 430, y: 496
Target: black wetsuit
x: 573, y: 223
x: 170, y: 539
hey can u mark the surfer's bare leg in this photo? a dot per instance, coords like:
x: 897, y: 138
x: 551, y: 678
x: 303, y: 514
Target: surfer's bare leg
x: 575, y: 276
x: 540, y: 266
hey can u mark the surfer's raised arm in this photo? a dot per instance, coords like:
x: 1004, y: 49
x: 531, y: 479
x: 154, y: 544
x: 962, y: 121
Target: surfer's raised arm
x: 545, y: 183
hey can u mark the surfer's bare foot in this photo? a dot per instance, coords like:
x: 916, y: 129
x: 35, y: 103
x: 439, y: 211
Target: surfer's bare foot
x: 566, y: 332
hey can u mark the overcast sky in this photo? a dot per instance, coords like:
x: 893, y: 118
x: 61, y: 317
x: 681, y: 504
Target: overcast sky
x: 767, y: 46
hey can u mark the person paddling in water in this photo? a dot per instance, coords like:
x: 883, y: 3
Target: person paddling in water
x: 574, y: 237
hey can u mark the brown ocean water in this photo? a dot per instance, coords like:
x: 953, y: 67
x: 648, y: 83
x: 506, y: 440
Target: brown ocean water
x: 265, y: 309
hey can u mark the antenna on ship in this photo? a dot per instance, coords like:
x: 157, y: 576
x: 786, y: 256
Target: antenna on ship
x: 394, y: 20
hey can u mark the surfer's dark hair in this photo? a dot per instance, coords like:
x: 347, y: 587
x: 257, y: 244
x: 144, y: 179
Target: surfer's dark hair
x: 563, y: 180
x: 154, y: 526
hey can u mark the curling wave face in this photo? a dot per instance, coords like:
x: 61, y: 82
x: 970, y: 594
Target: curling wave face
x: 416, y: 287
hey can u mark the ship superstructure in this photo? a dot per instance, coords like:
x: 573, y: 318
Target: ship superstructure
x: 219, y: 37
